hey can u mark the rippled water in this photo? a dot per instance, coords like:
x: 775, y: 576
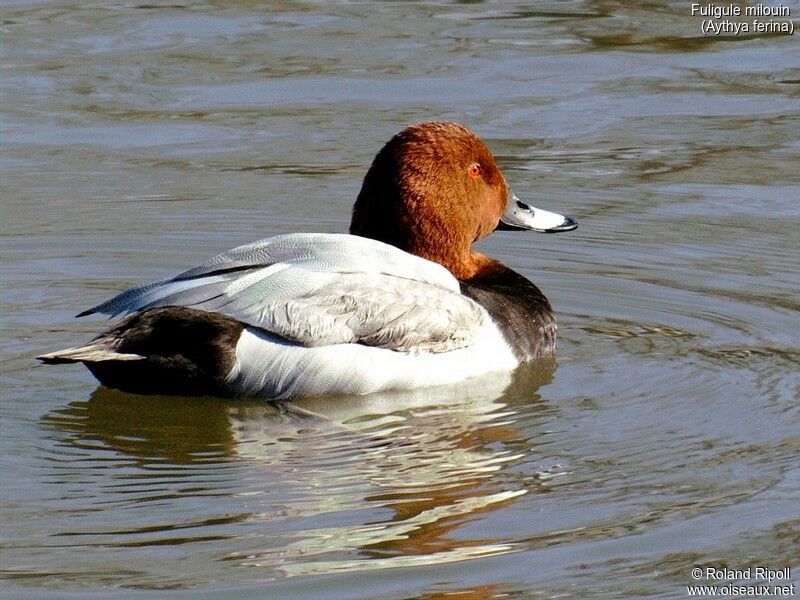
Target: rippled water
x: 139, y: 139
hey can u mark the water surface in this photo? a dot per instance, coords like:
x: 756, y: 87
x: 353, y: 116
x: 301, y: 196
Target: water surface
x: 139, y: 139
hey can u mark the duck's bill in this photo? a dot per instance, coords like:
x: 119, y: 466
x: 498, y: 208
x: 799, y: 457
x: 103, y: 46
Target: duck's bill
x: 519, y: 215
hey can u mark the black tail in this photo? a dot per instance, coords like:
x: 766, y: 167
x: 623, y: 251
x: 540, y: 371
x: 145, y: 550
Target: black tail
x: 165, y: 350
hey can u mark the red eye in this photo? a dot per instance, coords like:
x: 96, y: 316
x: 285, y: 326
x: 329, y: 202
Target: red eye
x: 475, y: 170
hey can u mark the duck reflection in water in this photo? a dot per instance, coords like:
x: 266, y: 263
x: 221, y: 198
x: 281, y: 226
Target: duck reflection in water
x: 436, y: 458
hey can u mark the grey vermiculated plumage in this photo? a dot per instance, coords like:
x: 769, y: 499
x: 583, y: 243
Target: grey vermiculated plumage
x: 321, y: 289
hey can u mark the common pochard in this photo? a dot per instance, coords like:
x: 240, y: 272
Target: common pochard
x: 401, y: 302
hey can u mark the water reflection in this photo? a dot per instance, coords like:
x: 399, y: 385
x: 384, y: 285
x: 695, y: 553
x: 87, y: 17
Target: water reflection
x: 480, y: 592
x: 322, y: 486
x: 149, y: 428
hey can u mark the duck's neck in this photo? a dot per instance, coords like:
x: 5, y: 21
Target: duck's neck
x: 447, y: 248
x: 469, y: 266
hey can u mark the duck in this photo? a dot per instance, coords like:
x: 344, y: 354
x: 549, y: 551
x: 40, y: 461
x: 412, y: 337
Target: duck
x: 400, y: 302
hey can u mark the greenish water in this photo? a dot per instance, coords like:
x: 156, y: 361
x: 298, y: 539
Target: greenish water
x: 140, y: 139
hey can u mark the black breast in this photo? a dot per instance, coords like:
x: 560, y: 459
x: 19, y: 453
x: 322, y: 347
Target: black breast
x: 519, y: 309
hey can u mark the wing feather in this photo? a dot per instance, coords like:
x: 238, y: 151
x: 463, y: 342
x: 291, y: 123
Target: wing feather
x: 320, y: 289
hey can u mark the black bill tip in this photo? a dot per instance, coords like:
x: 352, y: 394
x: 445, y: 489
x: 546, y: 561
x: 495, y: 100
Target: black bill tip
x: 568, y: 225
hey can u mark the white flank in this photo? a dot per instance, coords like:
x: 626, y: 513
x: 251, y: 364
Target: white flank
x: 271, y: 367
